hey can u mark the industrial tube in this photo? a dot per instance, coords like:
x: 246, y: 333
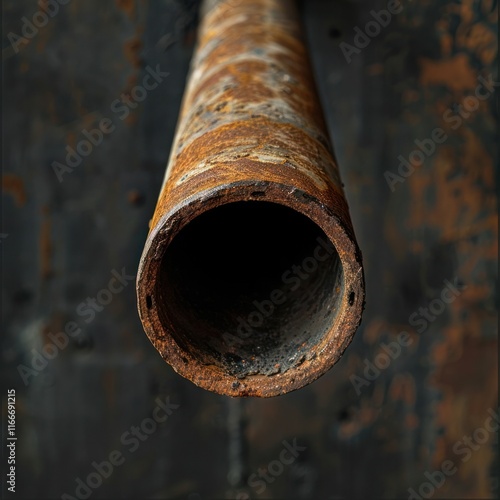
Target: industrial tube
x: 251, y: 280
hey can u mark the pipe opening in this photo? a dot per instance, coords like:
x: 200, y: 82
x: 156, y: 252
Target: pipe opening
x: 250, y: 287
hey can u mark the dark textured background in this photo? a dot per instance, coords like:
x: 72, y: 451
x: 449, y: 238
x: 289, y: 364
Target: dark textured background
x: 60, y: 242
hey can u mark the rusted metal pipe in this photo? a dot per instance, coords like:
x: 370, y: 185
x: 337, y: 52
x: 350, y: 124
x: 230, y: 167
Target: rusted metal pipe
x: 251, y: 282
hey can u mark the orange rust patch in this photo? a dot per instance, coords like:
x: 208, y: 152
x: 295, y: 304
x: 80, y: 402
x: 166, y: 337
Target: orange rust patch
x: 375, y: 69
x: 460, y: 199
x: 464, y: 409
x: 454, y: 73
x: 403, y: 389
x: 13, y: 184
x: 132, y: 50
x: 45, y: 245
x: 128, y: 6
x: 480, y: 40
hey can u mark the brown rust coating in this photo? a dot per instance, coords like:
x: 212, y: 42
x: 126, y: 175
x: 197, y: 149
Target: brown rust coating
x: 251, y: 130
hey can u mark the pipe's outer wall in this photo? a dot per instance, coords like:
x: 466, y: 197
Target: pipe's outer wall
x: 251, y: 125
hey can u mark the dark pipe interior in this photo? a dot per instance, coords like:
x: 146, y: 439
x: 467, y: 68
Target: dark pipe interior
x: 230, y: 295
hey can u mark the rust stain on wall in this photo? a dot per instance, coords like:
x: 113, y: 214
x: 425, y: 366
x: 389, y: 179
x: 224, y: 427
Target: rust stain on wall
x: 45, y: 242
x: 403, y: 388
x: 480, y: 40
x: 363, y: 418
x: 472, y: 34
x: 132, y: 50
x: 127, y: 6
x: 109, y: 386
x: 454, y: 73
x: 462, y: 211
x: 452, y: 203
x: 460, y: 208
x: 464, y: 408
x: 13, y: 185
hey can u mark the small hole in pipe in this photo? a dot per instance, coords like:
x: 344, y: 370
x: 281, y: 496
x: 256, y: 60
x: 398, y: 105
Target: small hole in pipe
x: 149, y: 302
x: 351, y: 298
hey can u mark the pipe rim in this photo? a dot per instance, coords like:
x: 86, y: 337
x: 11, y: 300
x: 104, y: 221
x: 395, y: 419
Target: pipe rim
x: 334, y: 341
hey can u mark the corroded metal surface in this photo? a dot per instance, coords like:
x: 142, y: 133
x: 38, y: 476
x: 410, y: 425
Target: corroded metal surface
x: 250, y: 130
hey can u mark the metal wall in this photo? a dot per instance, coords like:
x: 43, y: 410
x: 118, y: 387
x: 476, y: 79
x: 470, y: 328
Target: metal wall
x: 396, y: 409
